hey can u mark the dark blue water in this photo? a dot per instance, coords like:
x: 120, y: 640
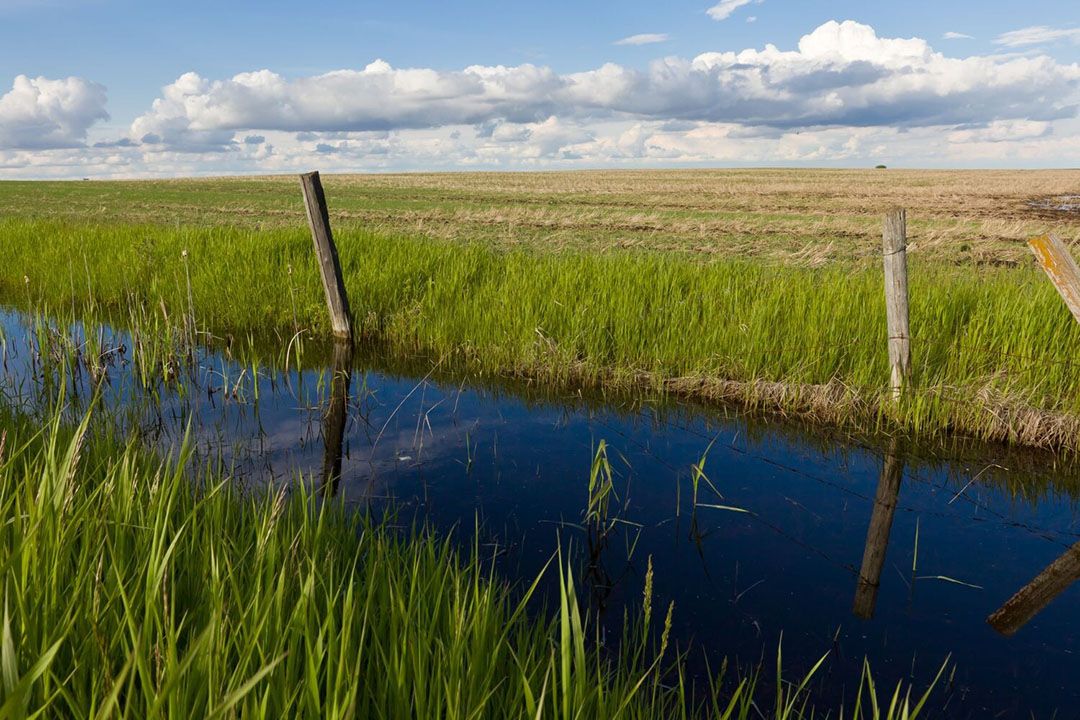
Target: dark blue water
x: 775, y: 547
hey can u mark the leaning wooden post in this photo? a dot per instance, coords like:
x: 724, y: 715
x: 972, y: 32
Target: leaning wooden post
x: 1057, y: 262
x: 894, y: 240
x: 329, y: 266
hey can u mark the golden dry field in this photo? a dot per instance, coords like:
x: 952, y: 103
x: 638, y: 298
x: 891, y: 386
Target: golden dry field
x: 807, y: 217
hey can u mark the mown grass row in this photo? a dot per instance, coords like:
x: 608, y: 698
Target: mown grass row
x: 132, y: 589
x: 994, y: 349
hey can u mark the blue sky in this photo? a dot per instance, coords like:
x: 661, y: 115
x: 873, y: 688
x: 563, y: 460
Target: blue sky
x: 848, y: 105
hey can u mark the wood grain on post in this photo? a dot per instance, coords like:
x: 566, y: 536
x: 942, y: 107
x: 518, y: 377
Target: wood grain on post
x: 894, y: 241
x: 1058, y: 263
x: 877, y: 536
x: 1037, y: 594
x: 326, y: 252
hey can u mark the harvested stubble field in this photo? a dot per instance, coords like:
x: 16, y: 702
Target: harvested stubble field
x: 760, y: 286
x: 808, y: 217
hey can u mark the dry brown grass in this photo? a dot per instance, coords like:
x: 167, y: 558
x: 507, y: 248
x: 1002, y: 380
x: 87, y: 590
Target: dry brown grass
x: 808, y: 217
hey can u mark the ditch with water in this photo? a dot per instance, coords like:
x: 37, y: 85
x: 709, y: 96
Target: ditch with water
x: 904, y: 553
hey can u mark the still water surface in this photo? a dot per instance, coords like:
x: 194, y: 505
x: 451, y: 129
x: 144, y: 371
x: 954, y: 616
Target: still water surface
x: 859, y: 547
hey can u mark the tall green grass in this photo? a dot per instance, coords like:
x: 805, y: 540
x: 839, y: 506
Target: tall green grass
x: 132, y: 589
x: 994, y: 349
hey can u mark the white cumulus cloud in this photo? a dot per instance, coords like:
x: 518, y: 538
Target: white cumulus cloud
x: 195, y: 113
x: 841, y: 95
x: 951, y: 35
x: 841, y: 74
x: 39, y: 113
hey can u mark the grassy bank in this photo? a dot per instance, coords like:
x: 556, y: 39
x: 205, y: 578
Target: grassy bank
x: 131, y: 589
x: 994, y: 348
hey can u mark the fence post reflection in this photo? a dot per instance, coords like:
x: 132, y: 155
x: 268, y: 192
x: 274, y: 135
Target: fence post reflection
x: 1030, y: 600
x: 877, y: 536
x: 334, y: 416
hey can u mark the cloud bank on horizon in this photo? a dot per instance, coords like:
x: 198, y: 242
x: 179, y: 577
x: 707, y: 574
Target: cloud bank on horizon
x: 844, y: 95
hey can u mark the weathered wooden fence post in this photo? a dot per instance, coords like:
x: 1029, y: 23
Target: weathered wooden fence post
x: 877, y: 535
x: 326, y: 252
x: 1058, y: 263
x: 894, y: 241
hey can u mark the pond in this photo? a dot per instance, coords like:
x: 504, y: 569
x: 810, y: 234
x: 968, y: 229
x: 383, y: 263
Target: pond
x: 903, y: 553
